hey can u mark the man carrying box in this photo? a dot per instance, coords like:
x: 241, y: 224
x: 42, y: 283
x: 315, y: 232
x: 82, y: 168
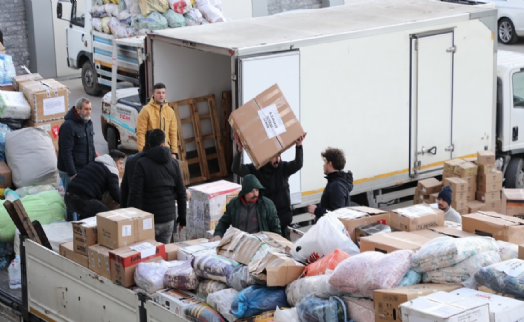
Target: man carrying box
x: 250, y: 211
x: 157, y: 183
x: 274, y: 176
x: 444, y: 204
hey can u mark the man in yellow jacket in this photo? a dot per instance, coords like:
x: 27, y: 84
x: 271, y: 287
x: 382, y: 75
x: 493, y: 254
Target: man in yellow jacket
x: 158, y: 115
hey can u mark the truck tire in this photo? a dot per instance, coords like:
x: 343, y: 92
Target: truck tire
x: 507, y: 34
x: 112, y: 138
x: 515, y: 174
x: 90, y: 79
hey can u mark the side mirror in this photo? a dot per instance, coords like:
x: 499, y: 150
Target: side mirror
x: 59, y: 10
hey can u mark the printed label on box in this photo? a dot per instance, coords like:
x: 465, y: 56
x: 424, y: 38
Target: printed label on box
x: 126, y: 230
x: 54, y: 105
x: 148, y: 223
x: 271, y: 121
x: 45, y: 127
x: 145, y: 249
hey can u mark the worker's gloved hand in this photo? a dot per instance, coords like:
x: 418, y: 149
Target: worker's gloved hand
x: 181, y: 221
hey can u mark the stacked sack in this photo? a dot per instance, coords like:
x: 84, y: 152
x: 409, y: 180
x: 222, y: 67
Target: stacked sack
x: 504, y: 278
x: 128, y: 18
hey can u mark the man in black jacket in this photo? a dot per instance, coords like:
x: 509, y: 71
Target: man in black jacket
x: 76, y: 147
x: 274, y: 177
x: 157, y: 183
x: 127, y: 179
x: 340, y: 184
x: 84, y: 194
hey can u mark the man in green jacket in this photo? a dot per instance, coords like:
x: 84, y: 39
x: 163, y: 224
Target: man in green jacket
x: 250, y: 211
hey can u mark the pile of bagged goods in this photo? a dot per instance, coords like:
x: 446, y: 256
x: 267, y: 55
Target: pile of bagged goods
x: 126, y: 18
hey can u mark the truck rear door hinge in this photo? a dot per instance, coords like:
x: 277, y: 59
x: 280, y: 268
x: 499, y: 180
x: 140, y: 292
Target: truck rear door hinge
x: 452, y: 49
x: 147, y: 57
x: 233, y: 77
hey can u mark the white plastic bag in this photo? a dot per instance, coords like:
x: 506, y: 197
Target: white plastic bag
x: 507, y: 250
x: 97, y: 24
x: 105, y: 25
x: 150, y: 276
x: 193, y: 17
x: 112, y: 9
x: 34, y: 190
x: 180, y: 6
x: 117, y: 28
x: 318, y: 285
x: 133, y: 7
x: 211, y: 14
x: 14, y: 105
x: 327, y: 235
x: 289, y: 315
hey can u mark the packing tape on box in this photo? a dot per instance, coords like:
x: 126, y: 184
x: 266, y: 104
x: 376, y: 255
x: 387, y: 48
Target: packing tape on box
x: 488, y: 215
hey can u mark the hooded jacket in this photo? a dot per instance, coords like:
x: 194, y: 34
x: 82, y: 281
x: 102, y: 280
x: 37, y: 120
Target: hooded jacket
x: 275, y: 180
x: 127, y: 179
x: 266, y: 211
x: 157, y: 183
x: 336, y: 193
x: 76, y: 147
x: 154, y: 116
x: 96, y: 178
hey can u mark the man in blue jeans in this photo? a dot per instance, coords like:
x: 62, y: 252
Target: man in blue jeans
x: 76, y: 147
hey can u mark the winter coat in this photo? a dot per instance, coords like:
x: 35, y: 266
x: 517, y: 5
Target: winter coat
x: 336, y: 193
x: 266, y: 211
x: 157, y: 183
x: 76, y: 147
x: 274, y: 180
x: 127, y: 179
x: 96, y: 178
x: 154, y: 116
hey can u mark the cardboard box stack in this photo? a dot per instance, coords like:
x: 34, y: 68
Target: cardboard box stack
x: 498, y: 226
x: 84, y: 235
x: 489, y: 182
x: 513, y: 202
x: 207, y: 205
x: 416, y: 217
x: 49, y: 101
x: 461, y: 175
x: 425, y: 189
x: 354, y: 217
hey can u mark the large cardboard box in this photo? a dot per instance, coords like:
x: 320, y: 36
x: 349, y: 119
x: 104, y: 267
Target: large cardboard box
x: 495, y: 206
x: 17, y: 80
x: 390, y: 242
x: 277, y: 269
x: 416, y: 217
x: 353, y: 217
x: 452, y: 232
x: 175, y: 300
x: 501, y: 309
x: 387, y: 301
x: 84, y: 234
x: 429, y: 186
x: 5, y: 176
x: 474, y: 206
x: 488, y: 196
x: 266, y: 126
x: 449, y: 166
x: 487, y: 187
x: 459, y: 204
x: 371, y: 230
x: 471, y: 180
x: 466, y: 169
x: 188, y: 252
x: 487, y: 168
x: 51, y: 127
x: 492, y: 224
x: 208, y: 204
x: 48, y: 99
x: 433, y: 198
x: 124, y: 260
x: 521, y: 251
x: 123, y: 227
x: 444, y: 307
x: 485, y: 158
x: 99, y: 262
x: 66, y: 250
x: 457, y: 184
x: 492, y: 177
x: 513, y: 202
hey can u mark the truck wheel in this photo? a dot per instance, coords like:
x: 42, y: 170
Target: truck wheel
x: 112, y: 138
x: 90, y: 79
x: 507, y: 34
x: 515, y: 174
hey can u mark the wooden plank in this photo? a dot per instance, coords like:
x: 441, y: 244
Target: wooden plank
x: 41, y: 234
x: 197, y: 128
x: 226, y: 129
x: 181, y: 144
x: 218, y: 136
x: 19, y: 216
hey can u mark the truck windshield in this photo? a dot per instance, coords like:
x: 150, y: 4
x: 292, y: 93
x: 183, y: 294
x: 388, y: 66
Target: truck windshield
x: 78, y: 13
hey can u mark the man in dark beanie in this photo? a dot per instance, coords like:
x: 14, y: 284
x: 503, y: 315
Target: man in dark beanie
x: 444, y: 204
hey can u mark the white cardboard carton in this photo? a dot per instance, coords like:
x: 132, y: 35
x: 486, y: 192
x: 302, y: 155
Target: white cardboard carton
x: 189, y: 252
x: 175, y: 300
x: 501, y: 309
x: 444, y: 307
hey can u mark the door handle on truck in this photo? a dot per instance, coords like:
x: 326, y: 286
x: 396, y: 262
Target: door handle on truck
x: 515, y: 133
x: 432, y: 150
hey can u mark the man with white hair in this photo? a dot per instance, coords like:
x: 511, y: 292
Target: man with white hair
x: 76, y: 147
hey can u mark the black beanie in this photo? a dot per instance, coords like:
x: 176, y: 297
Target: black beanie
x: 445, y: 194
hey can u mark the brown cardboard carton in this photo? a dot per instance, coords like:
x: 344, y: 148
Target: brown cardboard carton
x: 99, y: 263
x: 492, y: 224
x: 488, y: 187
x: 66, y: 250
x: 17, y: 80
x: 495, y: 206
x: 417, y: 217
x: 488, y: 196
x: 457, y: 184
x: 428, y: 233
x: 485, y: 158
x: 172, y: 249
x: 513, y: 202
x: 429, y: 186
x: 123, y: 261
x: 390, y: 242
x: 521, y: 251
x: 460, y: 196
x: 471, y: 180
x: 452, y: 232
x: 353, y: 217
x: 51, y: 127
x: 466, y: 169
x: 48, y: 99
x: 123, y: 227
x: 5, y: 176
x: 492, y: 177
x: 471, y: 159
x: 487, y: 168
x: 433, y: 197
x: 266, y: 126
x: 449, y: 166
x: 459, y: 204
x: 276, y: 269
x: 84, y: 235
x: 474, y: 206
x: 387, y: 301
x: 175, y: 300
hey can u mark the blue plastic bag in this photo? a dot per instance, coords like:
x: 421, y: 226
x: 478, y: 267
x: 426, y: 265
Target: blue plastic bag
x: 314, y: 309
x: 257, y: 299
x: 411, y: 278
x: 7, y: 70
x: 4, y: 129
